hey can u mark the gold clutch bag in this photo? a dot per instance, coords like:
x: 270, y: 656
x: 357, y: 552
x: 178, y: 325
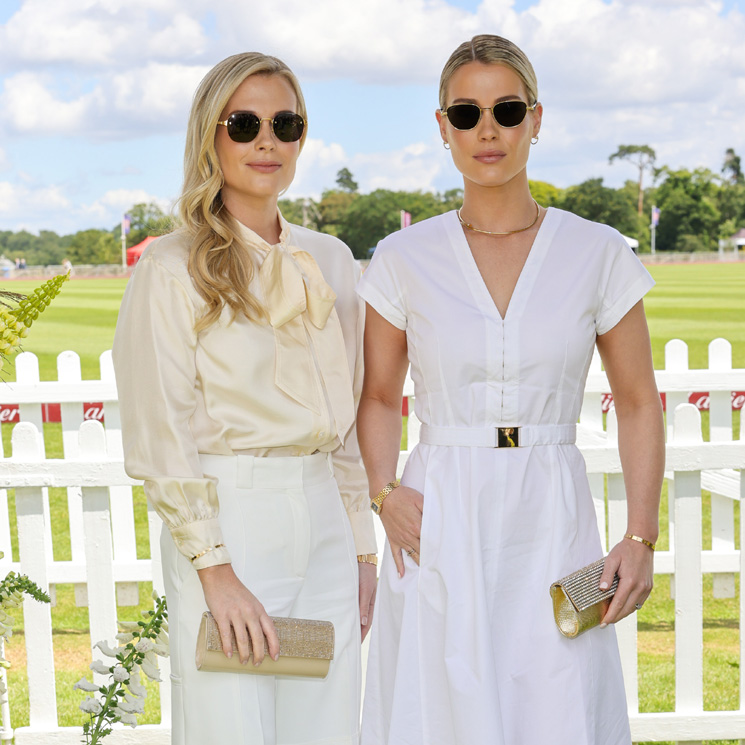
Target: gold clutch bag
x: 579, y: 604
x: 306, y: 649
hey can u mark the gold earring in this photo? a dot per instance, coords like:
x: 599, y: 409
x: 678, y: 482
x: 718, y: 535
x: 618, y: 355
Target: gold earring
x: 534, y: 140
x: 446, y: 144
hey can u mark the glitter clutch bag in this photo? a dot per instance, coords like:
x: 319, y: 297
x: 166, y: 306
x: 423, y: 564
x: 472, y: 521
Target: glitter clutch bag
x: 579, y: 604
x: 306, y: 649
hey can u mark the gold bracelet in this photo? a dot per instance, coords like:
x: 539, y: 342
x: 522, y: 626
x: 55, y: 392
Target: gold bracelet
x: 640, y: 540
x: 206, y: 551
x: 376, y: 504
x: 368, y: 559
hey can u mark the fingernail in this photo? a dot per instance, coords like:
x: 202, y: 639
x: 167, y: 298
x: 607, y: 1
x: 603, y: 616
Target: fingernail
x: 400, y: 575
x: 603, y: 625
x: 603, y: 585
x: 256, y: 664
x: 276, y: 657
x: 230, y: 654
x: 364, y: 621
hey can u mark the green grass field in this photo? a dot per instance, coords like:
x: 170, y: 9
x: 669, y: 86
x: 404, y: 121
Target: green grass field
x: 696, y: 303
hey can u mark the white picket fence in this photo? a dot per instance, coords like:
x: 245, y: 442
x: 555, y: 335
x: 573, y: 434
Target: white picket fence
x: 102, y: 532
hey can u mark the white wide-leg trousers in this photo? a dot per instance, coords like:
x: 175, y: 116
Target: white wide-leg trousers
x: 291, y: 544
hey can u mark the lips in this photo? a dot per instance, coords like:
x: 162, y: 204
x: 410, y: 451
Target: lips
x: 265, y: 166
x: 490, y: 156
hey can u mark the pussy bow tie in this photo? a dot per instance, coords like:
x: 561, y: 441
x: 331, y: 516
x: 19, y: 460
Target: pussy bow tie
x: 300, y: 306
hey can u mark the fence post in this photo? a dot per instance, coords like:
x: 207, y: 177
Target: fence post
x: 720, y: 430
x: 71, y: 415
x: 27, y: 372
x: 98, y: 549
x: 617, y: 521
x: 35, y: 558
x: 122, y: 506
x: 689, y: 594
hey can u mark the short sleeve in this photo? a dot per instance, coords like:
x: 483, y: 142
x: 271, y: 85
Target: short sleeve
x: 380, y: 286
x: 624, y: 283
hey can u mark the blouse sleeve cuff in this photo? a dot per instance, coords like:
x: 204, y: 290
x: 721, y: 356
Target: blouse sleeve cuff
x: 611, y: 316
x: 201, y: 542
x: 363, y: 530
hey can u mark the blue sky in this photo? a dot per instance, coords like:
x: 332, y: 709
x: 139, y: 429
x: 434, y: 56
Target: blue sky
x: 94, y: 94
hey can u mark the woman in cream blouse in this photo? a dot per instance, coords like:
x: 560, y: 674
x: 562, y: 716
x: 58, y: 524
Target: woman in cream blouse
x: 238, y: 363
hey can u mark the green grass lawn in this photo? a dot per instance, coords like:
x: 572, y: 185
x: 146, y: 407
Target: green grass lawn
x: 696, y: 303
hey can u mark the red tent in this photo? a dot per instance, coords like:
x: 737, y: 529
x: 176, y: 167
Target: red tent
x: 134, y: 253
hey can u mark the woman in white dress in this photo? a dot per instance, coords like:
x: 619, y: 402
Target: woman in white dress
x: 238, y: 364
x: 497, y: 308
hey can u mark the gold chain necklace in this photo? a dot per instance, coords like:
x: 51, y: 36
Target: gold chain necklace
x: 508, y: 232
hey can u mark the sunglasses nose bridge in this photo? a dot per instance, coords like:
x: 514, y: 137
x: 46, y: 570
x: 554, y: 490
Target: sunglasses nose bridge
x: 487, y: 124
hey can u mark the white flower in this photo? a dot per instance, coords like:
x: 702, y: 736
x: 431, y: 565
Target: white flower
x: 136, y: 688
x: 161, y: 650
x: 129, y: 625
x: 120, y: 674
x: 106, y: 649
x: 85, y: 685
x: 132, y: 707
x: 151, y: 671
x: 156, y: 596
x: 125, y: 637
x: 144, y: 645
x: 100, y: 667
x: 126, y: 718
x: 91, y: 706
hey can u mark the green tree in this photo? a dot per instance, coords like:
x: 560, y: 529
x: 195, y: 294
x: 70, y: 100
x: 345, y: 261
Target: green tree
x: 643, y: 157
x: 345, y: 181
x: 687, y: 202
x: 732, y: 167
x: 332, y: 210
x: 547, y: 195
x: 145, y: 220
x: 94, y: 247
x: 593, y: 201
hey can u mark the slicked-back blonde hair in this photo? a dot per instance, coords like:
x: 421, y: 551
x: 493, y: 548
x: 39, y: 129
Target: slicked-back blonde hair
x: 490, y: 50
x: 220, y: 264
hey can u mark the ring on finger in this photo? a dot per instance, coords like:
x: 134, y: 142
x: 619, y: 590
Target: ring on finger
x: 410, y: 552
x: 638, y: 606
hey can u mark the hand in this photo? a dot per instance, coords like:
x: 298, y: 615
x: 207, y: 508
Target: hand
x: 368, y: 590
x: 232, y: 604
x: 633, y: 563
x: 402, y: 520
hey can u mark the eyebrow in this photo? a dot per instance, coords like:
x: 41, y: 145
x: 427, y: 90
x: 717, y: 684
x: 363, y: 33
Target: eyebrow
x: 511, y: 97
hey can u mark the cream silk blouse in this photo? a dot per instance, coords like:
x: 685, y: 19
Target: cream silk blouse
x: 286, y: 386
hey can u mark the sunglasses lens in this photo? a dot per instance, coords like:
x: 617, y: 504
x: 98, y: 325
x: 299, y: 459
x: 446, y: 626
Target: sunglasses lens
x: 288, y: 127
x: 243, y: 126
x: 464, y: 115
x: 510, y: 113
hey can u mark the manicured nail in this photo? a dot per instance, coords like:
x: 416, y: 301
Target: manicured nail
x: 364, y: 621
x: 230, y: 654
x: 276, y: 657
x: 603, y: 625
x: 603, y: 585
x: 400, y: 575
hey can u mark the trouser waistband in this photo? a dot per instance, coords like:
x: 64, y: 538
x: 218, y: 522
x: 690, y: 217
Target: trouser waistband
x: 250, y: 471
x: 499, y: 437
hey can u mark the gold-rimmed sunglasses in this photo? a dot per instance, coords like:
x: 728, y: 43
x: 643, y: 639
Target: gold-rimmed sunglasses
x: 508, y: 114
x: 244, y: 126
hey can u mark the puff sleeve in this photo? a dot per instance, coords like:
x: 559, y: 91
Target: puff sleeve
x: 154, y: 360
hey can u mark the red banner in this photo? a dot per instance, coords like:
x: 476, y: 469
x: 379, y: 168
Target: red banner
x: 50, y: 412
x: 699, y: 400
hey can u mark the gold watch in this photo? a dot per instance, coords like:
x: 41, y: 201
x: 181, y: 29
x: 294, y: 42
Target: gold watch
x: 367, y: 559
x: 376, y: 504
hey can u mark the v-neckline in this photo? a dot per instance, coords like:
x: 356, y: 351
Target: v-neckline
x: 525, y: 278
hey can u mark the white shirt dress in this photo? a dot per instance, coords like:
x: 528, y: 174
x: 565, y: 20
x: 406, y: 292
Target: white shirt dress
x: 464, y: 648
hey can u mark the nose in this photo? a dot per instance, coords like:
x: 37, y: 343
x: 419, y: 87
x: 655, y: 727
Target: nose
x: 265, y: 140
x: 488, y: 129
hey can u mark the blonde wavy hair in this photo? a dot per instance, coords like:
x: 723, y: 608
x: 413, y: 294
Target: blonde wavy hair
x: 220, y: 264
x: 490, y: 50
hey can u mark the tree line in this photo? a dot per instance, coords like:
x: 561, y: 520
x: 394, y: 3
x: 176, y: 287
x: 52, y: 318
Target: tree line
x: 697, y: 208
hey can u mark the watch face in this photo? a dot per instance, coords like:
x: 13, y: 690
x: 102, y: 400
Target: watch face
x: 375, y: 507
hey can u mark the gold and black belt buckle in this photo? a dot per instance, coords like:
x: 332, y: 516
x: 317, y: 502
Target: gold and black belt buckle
x: 508, y: 437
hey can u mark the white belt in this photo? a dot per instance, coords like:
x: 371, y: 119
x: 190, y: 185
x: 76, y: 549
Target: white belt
x: 499, y: 437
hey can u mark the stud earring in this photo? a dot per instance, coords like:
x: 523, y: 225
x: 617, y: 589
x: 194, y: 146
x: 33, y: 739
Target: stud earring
x: 534, y: 140
x: 446, y: 144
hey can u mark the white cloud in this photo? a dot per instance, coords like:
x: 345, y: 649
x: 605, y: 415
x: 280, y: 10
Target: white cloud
x: 109, y: 208
x: 20, y: 203
x: 4, y: 160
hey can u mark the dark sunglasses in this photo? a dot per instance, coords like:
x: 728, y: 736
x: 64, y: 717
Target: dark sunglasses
x: 507, y: 114
x: 244, y: 126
